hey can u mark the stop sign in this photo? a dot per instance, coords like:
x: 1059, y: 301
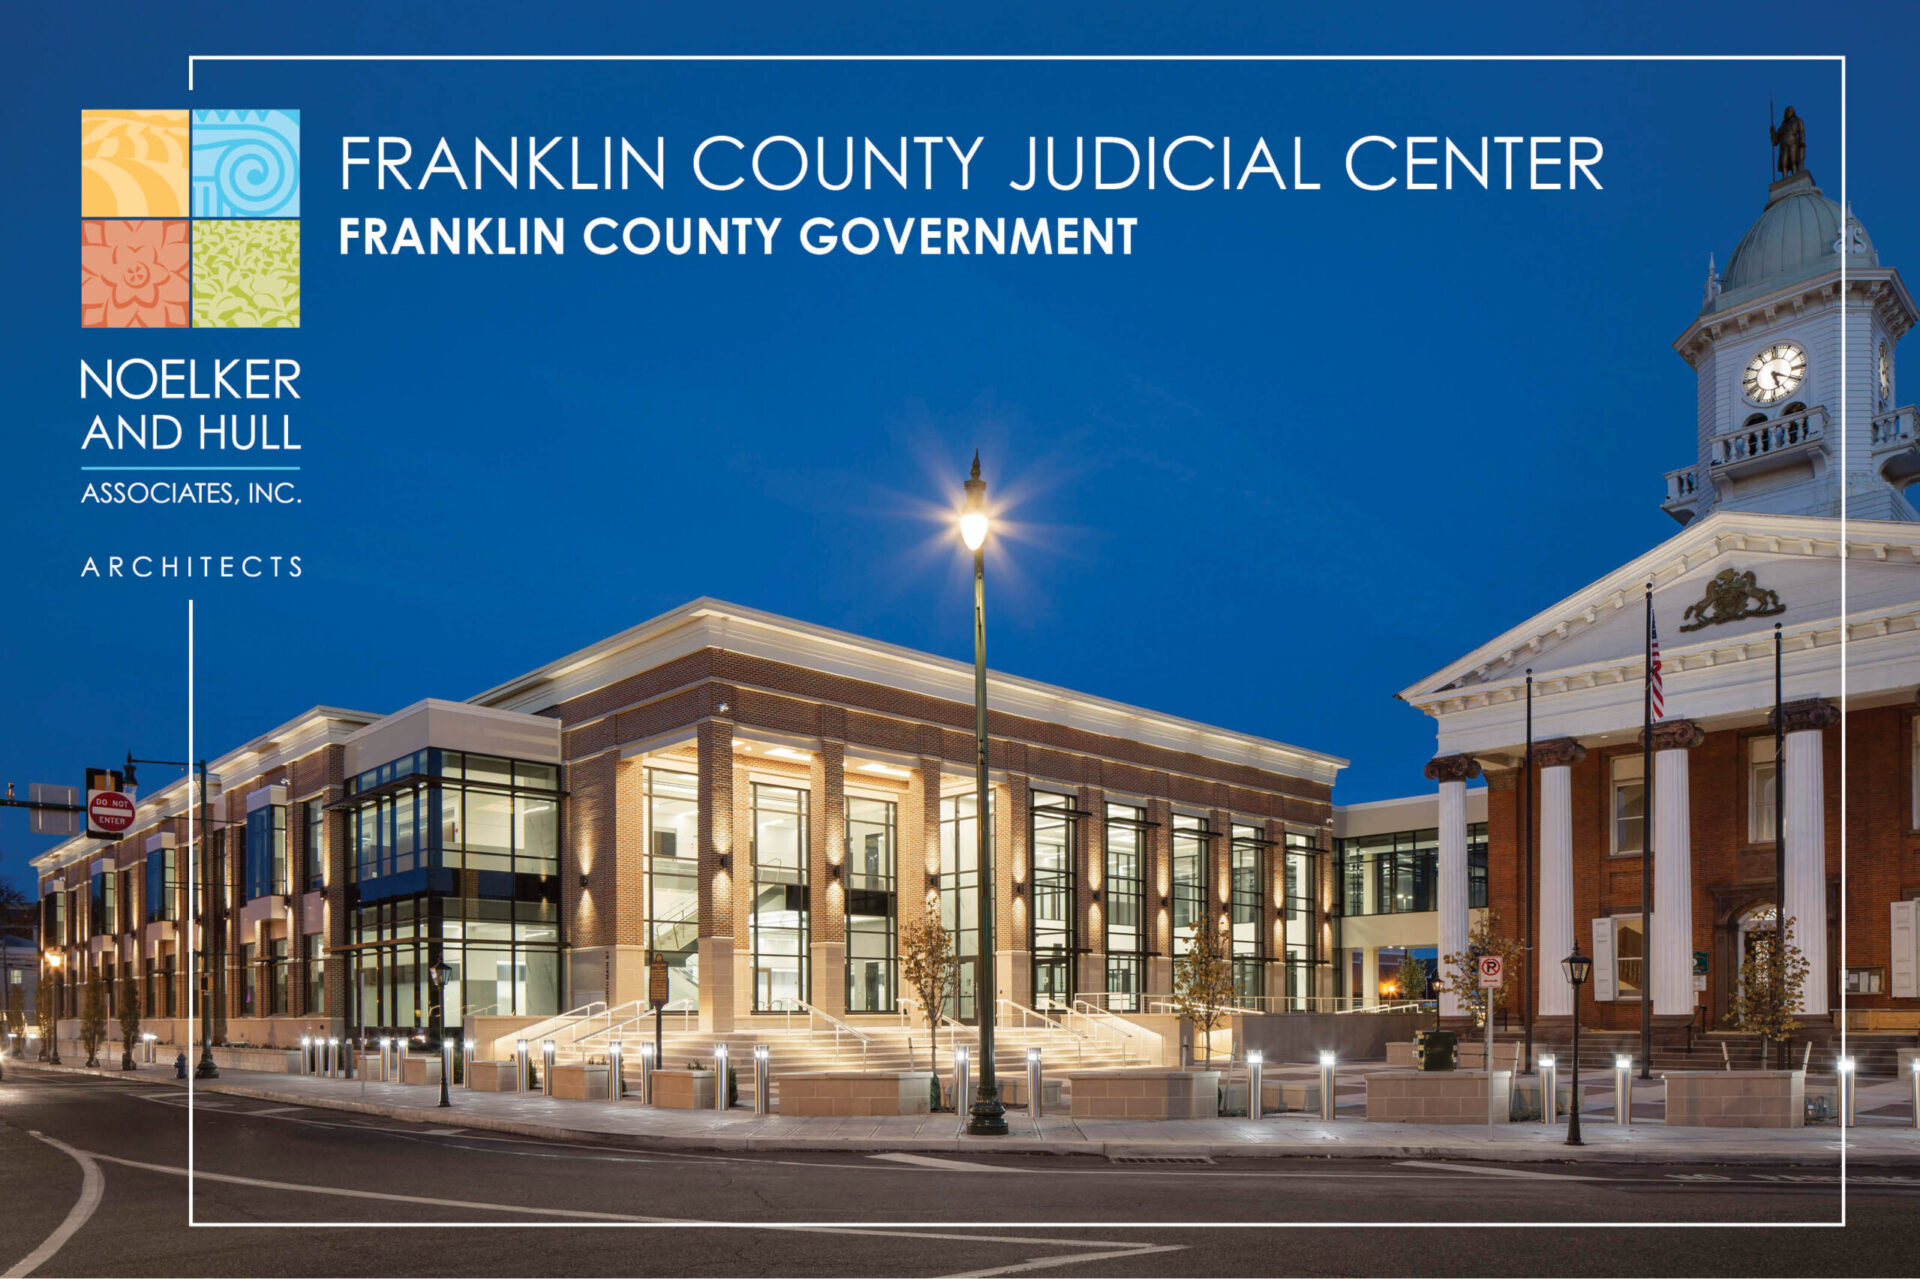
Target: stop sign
x: 109, y: 812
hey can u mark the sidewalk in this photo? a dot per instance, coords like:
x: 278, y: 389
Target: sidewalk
x: 1878, y: 1140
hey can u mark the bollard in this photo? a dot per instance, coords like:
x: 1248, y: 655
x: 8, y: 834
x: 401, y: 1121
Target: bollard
x: 962, y: 1079
x: 1035, y: 1105
x: 1915, y: 1072
x: 1549, y: 1089
x: 333, y: 1058
x: 1326, y: 1086
x: 1623, y: 1090
x: 466, y: 1073
x: 520, y: 1060
x: 1256, y: 1066
x: 1843, y: 1078
x: 546, y: 1067
x: 616, y: 1085
x: 720, y: 1077
x: 446, y: 1065
x: 646, y: 1074
x: 386, y: 1059
x: 762, y: 1073
x: 306, y: 1046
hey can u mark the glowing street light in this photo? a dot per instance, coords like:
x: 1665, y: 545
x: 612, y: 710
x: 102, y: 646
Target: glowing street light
x: 988, y: 1117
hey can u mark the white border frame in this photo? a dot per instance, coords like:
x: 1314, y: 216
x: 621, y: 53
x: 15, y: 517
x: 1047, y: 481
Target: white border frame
x: 193, y: 60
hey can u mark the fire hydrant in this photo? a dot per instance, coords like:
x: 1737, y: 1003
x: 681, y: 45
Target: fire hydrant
x: 180, y: 1066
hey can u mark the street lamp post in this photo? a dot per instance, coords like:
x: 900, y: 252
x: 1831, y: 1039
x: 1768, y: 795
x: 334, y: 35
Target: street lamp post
x: 1578, y: 968
x: 53, y: 1031
x: 440, y: 971
x: 988, y: 1118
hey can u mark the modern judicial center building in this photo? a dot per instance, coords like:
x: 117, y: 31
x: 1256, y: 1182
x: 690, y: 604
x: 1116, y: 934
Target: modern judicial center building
x: 762, y: 803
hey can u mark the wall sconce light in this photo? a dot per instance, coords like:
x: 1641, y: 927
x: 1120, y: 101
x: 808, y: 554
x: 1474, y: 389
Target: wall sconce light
x: 835, y: 870
x: 725, y: 707
x: 583, y: 881
x: 1019, y: 889
x: 933, y: 881
x: 1093, y: 895
x: 725, y: 862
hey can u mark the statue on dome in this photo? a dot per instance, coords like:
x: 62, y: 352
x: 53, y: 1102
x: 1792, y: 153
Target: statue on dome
x: 1790, y: 143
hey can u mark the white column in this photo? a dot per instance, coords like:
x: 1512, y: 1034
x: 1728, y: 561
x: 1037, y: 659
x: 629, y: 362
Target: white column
x: 1556, y: 885
x: 1806, y: 830
x: 1452, y: 772
x: 1370, y: 976
x: 1670, y: 938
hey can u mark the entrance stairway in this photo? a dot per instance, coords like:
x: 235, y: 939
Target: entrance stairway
x: 1873, y: 1054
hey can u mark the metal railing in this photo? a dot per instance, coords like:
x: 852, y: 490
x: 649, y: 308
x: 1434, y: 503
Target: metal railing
x: 554, y: 1025
x: 687, y: 1009
x: 839, y: 1027
x: 1104, y: 1024
x: 1009, y: 1009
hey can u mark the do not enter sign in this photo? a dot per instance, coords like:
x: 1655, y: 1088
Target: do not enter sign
x: 109, y: 812
x: 1491, y: 972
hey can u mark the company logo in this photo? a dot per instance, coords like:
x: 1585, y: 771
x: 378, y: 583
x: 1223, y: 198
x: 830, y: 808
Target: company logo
x: 190, y: 219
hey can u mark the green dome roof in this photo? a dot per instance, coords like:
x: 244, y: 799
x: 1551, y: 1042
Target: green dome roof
x: 1794, y: 239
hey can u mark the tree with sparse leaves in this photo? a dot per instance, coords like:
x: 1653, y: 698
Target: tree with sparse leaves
x: 1203, y: 984
x: 1410, y: 979
x: 1460, y: 972
x: 43, y: 1018
x: 17, y: 1018
x: 93, y: 1018
x: 1771, y: 979
x: 929, y: 966
x: 129, y: 1019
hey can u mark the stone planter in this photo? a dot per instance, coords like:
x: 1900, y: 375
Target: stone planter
x: 580, y: 1082
x: 491, y: 1076
x: 1401, y: 1057
x: 1278, y: 1095
x: 420, y: 1070
x: 1736, y: 1098
x: 1526, y: 1097
x: 685, y: 1089
x: 1146, y: 1093
x: 883, y: 1092
x: 1013, y: 1093
x: 1439, y: 1096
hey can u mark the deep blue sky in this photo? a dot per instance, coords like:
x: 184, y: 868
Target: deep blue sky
x: 1296, y: 452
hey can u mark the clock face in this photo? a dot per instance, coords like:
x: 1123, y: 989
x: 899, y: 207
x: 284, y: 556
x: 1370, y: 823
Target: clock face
x: 1775, y: 373
x: 1886, y: 372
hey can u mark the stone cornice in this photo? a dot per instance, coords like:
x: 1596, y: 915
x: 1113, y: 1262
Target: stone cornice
x: 1807, y: 715
x: 1452, y: 768
x: 1675, y: 735
x: 1558, y: 752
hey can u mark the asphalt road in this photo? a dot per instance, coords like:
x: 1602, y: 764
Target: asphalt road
x: 93, y: 1182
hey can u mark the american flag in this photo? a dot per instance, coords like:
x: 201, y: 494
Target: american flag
x: 1653, y: 666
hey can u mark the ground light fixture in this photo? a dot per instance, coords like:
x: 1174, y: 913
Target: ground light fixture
x: 466, y: 1074
x: 1256, y: 1066
x: 1578, y: 967
x: 1844, y: 1079
x: 1622, y: 1089
x: 1915, y: 1072
x: 988, y: 1117
x: 1327, y: 1063
x: 1549, y: 1089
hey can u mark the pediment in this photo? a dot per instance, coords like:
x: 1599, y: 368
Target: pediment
x: 1721, y: 583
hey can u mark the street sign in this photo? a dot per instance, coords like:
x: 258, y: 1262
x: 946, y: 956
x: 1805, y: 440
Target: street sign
x: 1491, y: 974
x: 657, y: 981
x: 109, y: 814
x: 55, y: 810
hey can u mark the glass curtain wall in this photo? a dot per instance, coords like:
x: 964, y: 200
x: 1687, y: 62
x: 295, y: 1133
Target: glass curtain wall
x: 1302, y: 918
x: 1248, y: 907
x: 872, y: 910
x: 960, y: 894
x: 777, y: 919
x: 1055, y: 832
x: 673, y: 879
x: 1191, y: 849
x: 266, y: 852
x: 1399, y: 872
x: 1125, y: 893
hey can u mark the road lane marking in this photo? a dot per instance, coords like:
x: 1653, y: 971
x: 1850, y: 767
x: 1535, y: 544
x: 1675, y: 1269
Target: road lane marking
x: 944, y: 1165
x: 1496, y: 1172
x: 1075, y: 1259
x: 92, y: 1186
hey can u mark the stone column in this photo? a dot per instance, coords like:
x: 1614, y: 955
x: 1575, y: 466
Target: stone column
x: 1555, y: 759
x: 1369, y: 991
x: 720, y: 866
x: 826, y: 875
x: 1804, y: 776
x: 1453, y: 772
x: 1670, y: 934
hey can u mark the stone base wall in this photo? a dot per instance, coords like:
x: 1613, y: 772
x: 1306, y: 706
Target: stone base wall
x: 580, y: 1083
x: 903, y: 1092
x: 1736, y: 1098
x: 685, y: 1089
x: 491, y: 1076
x: 1146, y: 1094
x: 1439, y: 1096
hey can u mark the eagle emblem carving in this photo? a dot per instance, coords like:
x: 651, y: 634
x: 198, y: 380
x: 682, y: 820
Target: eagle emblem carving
x: 1731, y: 596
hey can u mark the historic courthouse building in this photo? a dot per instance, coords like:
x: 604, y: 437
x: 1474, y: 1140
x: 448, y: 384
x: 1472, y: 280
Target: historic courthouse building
x: 1798, y: 424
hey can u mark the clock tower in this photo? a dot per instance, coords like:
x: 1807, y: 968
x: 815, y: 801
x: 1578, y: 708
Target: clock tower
x: 1793, y: 349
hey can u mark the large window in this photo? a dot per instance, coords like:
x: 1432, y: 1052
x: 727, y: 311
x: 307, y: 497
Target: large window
x: 1248, y: 859
x: 1303, y: 855
x: 274, y: 984
x: 1125, y: 891
x: 1055, y: 835
x: 450, y: 810
x: 1191, y: 852
x: 1399, y: 873
x: 1627, y: 805
x: 316, y: 846
x: 266, y: 865
x: 872, y: 913
x: 314, y: 945
x: 1763, y: 775
x: 100, y: 912
x: 777, y: 918
x: 505, y: 957
x: 960, y: 894
x: 673, y: 881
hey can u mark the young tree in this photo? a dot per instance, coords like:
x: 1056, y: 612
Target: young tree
x: 1203, y: 984
x: 1771, y: 980
x: 17, y: 1018
x: 1460, y: 973
x: 929, y: 965
x: 1410, y: 979
x: 93, y: 1018
x: 129, y: 1019
x: 44, y: 1019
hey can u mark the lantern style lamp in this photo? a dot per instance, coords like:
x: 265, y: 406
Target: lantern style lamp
x: 1578, y: 967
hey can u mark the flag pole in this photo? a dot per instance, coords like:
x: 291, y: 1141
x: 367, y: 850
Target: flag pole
x: 1527, y: 994
x: 1646, y: 858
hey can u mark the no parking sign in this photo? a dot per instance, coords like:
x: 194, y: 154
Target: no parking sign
x: 1491, y: 972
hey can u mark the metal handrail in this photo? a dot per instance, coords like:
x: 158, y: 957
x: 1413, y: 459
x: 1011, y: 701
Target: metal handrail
x: 839, y: 1027
x: 908, y: 1001
x: 1031, y: 1014
x: 560, y: 1021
